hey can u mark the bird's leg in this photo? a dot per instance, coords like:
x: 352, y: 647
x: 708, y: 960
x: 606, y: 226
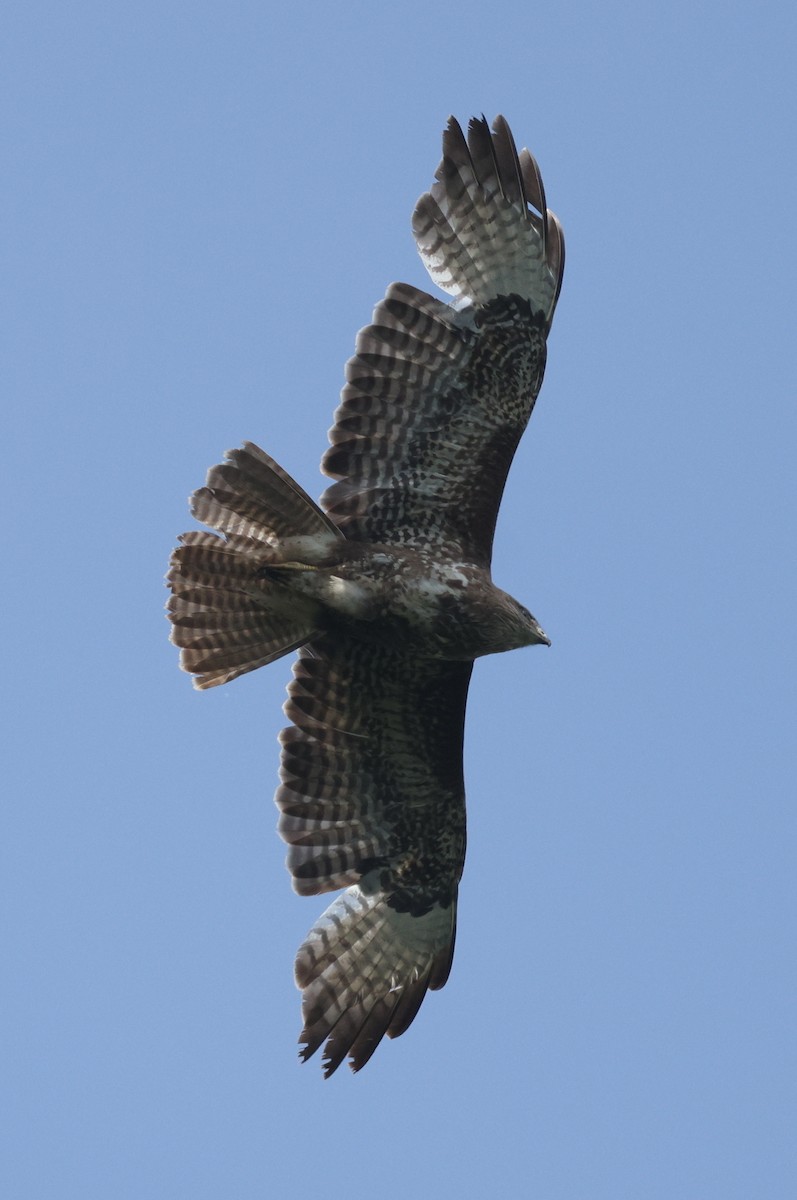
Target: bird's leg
x: 273, y: 570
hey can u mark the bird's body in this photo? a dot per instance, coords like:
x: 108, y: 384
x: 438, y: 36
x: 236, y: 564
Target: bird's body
x: 429, y: 601
x: 386, y: 591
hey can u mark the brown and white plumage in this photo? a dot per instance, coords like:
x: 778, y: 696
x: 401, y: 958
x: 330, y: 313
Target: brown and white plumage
x: 372, y: 799
x: 387, y: 590
x: 411, y: 449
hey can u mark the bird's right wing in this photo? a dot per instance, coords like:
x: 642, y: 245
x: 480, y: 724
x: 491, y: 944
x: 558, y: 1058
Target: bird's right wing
x: 438, y: 396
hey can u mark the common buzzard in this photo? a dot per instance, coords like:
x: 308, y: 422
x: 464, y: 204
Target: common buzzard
x: 385, y: 590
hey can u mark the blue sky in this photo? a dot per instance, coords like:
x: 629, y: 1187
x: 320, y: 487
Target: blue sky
x: 202, y: 203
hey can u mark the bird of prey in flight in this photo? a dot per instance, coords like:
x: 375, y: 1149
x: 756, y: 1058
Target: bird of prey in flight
x: 385, y: 590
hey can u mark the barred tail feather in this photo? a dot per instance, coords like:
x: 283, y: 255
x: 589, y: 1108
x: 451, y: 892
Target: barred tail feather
x: 227, y: 617
x: 225, y: 620
x: 364, y: 971
x: 475, y: 230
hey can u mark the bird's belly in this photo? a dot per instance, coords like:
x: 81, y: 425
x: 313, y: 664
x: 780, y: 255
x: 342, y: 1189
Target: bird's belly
x: 442, y: 611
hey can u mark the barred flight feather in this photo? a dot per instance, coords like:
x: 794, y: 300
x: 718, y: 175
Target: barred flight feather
x: 364, y: 970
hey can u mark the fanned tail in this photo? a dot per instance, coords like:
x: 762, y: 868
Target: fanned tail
x: 364, y: 971
x: 228, y: 615
x: 484, y: 230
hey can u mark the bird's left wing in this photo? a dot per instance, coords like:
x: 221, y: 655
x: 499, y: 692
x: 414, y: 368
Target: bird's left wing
x: 372, y: 799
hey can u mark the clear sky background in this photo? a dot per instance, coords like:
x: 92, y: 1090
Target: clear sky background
x: 202, y: 203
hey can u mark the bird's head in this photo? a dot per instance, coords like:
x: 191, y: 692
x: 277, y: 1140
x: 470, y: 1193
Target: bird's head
x: 513, y: 626
x: 535, y: 635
